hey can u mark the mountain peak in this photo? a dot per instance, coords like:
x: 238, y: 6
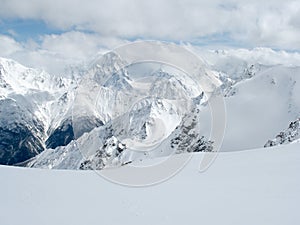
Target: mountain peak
x: 102, y: 68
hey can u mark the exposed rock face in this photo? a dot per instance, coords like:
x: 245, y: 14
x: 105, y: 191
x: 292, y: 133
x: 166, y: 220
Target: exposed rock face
x: 21, y: 133
x: 32, y: 102
x: 291, y: 134
x: 61, y: 136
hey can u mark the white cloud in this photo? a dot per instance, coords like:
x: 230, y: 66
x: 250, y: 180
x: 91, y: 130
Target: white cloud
x: 8, y: 46
x: 272, y: 23
x: 98, y: 25
x: 77, y: 45
x: 54, y: 52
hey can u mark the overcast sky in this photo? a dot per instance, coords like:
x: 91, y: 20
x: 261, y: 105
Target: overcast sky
x: 45, y: 32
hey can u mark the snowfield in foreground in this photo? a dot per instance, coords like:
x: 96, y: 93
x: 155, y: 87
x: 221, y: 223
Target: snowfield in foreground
x: 248, y: 187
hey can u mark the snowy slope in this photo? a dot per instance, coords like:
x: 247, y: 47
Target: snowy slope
x: 250, y: 187
x: 261, y: 89
x: 32, y: 103
x: 261, y: 107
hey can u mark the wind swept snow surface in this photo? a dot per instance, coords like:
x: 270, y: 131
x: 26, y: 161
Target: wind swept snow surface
x: 258, y: 187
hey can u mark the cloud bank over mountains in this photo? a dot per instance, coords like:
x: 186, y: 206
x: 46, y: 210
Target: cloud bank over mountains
x: 85, y: 28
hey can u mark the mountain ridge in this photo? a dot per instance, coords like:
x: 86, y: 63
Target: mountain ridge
x: 66, y: 112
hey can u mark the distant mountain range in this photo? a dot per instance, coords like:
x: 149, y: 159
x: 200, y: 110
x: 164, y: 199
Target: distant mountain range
x: 108, y: 114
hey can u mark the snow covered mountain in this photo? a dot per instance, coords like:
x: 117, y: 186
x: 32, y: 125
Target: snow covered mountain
x: 260, y: 107
x: 117, y: 114
x: 261, y: 89
x: 133, y: 116
x: 31, y: 102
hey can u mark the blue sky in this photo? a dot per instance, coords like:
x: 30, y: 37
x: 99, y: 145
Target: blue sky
x: 24, y: 29
x: 50, y: 31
